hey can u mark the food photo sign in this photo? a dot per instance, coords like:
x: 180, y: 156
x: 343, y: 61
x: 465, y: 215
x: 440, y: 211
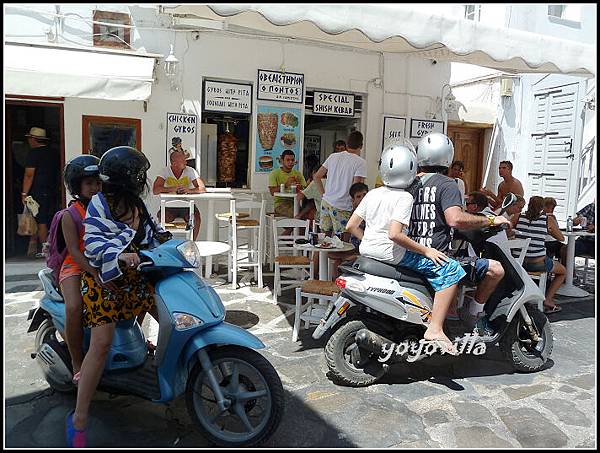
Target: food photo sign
x: 279, y: 128
x: 181, y: 134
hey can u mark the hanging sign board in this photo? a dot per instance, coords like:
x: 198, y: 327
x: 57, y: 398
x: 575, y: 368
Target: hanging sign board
x: 227, y: 97
x: 280, y: 86
x: 312, y: 145
x: 334, y: 104
x: 181, y: 134
x: 420, y: 128
x: 393, y: 130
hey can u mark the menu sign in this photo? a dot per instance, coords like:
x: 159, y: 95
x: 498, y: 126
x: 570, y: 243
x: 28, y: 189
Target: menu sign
x: 181, y: 134
x: 420, y: 128
x: 393, y: 130
x: 335, y: 104
x: 280, y: 86
x: 227, y: 97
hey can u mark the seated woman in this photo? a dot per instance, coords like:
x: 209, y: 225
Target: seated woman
x: 534, y: 224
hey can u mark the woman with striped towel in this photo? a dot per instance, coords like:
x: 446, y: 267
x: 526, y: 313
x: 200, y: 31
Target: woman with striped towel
x: 534, y: 224
x: 117, y: 226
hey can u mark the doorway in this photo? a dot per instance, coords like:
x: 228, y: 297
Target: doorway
x: 468, y: 147
x: 20, y: 116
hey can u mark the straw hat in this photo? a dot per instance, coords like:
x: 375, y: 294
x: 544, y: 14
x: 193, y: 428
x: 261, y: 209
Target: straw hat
x: 38, y: 133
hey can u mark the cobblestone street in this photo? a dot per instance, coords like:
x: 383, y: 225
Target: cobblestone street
x: 446, y: 403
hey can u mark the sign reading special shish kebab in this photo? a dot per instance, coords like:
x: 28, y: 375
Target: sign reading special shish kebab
x: 334, y: 104
x: 280, y: 86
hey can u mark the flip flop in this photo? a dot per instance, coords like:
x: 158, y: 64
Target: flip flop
x: 75, y: 437
x: 554, y: 309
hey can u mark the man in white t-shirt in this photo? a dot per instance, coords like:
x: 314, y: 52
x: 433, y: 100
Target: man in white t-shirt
x: 181, y: 179
x: 343, y: 169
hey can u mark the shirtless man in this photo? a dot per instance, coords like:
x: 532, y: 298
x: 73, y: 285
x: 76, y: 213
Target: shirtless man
x: 510, y: 184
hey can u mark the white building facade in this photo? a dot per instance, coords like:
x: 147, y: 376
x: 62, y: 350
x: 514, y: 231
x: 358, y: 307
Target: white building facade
x: 544, y: 124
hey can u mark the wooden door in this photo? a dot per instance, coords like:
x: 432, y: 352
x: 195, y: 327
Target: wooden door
x: 468, y: 147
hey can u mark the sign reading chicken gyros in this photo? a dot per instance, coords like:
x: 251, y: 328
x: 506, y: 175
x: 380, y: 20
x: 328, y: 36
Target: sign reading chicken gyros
x: 334, y: 104
x: 280, y: 86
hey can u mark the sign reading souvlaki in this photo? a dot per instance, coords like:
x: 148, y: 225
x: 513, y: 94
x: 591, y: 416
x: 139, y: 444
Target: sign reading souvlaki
x: 227, y: 97
x: 393, y: 130
x: 181, y: 134
x: 334, y: 104
x: 280, y: 86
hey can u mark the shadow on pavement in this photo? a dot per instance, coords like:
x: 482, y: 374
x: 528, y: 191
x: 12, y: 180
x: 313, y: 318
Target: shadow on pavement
x: 37, y: 420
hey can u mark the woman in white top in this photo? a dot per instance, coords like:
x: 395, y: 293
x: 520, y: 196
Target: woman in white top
x: 534, y: 224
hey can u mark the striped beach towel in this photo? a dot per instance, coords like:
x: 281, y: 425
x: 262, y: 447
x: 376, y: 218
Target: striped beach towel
x: 106, y: 238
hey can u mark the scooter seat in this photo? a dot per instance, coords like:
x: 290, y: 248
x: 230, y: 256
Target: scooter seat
x: 404, y: 275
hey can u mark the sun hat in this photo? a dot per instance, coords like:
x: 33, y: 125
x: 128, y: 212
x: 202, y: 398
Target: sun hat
x: 37, y: 132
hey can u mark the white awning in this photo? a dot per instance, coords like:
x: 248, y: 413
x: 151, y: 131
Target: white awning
x: 48, y: 71
x: 407, y: 29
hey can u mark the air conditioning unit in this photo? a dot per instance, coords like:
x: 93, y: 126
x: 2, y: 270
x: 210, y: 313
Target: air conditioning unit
x: 506, y: 87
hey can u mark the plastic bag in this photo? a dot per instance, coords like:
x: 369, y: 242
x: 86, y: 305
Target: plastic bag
x: 27, y: 223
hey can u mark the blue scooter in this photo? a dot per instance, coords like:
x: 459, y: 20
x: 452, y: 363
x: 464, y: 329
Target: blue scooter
x: 233, y: 394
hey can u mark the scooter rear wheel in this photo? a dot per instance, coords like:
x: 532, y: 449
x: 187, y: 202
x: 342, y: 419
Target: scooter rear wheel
x: 252, y: 386
x: 340, y: 353
x: 47, y: 333
x: 525, y: 355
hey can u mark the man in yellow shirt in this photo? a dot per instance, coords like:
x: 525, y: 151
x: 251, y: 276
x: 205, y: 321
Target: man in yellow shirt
x: 288, y: 176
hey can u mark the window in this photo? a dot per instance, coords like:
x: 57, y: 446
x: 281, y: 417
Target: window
x: 565, y: 12
x: 473, y: 12
x: 101, y: 133
x: 111, y: 36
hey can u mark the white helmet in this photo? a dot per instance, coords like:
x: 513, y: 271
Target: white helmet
x: 435, y: 150
x: 398, y: 165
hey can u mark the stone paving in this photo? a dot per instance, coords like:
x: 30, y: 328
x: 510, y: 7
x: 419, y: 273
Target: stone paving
x: 464, y: 402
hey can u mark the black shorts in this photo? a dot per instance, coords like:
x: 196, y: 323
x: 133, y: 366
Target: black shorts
x: 476, y: 268
x: 46, y: 209
x: 585, y: 247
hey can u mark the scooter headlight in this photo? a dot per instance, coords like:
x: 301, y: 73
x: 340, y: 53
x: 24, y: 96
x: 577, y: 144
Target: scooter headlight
x: 190, y: 253
x: 184, y: 321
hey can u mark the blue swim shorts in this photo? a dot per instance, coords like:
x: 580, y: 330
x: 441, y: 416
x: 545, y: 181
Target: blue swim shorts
x: 439, y: 277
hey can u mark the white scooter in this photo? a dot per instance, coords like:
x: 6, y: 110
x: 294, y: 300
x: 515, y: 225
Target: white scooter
x: 383, y: 310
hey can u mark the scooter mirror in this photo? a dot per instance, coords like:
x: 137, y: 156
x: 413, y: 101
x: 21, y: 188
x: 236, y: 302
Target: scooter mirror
x: 509, y: 199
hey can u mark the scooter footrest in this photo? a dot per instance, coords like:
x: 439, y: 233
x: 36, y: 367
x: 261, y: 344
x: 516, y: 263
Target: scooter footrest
x: 141, y: 381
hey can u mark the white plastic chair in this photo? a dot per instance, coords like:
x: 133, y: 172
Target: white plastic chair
x: 255, y: 228
x: 520, y: 247
x: 285, y: 255
x: 187, y: 230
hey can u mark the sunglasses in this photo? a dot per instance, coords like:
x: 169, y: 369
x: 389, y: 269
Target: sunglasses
x: 470, y: 202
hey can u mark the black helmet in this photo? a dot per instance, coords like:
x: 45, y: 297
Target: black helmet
x: 126, y: 167
x: 78, y: 168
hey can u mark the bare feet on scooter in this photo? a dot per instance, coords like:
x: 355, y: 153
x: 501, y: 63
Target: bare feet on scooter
x: 442, y: 341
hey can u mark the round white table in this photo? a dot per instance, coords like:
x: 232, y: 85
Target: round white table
x: 323, y: 265
x: 210, y: 248
x: 567, y: 288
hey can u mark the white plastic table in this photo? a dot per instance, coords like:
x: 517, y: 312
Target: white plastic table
x: 567, y: 288
x: 211, y: 194
x: 290, y: 195
x: 323, y: 265
x: 210, y: 248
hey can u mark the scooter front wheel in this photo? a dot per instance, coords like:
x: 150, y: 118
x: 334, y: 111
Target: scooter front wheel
x: 252, y: 389
x: 346, y: 362
x: 526, y: 354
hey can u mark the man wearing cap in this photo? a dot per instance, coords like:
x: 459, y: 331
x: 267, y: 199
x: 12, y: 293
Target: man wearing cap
x: 39, y: 181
